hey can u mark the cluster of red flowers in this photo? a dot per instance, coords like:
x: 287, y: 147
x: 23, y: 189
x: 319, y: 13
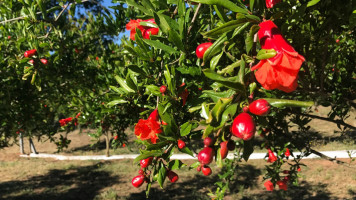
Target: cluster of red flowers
x: 148, y: 128
x: 281, y: 71
x: 282, y: 184
x: 65, y: 121
x: 145, y: 30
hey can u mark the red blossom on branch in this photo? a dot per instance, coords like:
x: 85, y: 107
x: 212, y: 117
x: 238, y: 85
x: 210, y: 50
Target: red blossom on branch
x: 148, y: 128
x: 65, y: 121
x: 145, y: 30
x: 281, y: 71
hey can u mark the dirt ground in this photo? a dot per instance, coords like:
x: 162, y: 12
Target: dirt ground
x: 31, y: 178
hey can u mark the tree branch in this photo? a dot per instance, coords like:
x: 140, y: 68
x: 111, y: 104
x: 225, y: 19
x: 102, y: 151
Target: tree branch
x: 330, y: 159
x: 327, y: 119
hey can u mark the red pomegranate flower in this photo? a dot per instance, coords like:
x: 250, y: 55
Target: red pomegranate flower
x: 281, y: 71
x: 269, y: 185
x: 145, y: 31
x: 282, y: 185
x: 65, y: 121
x: 271, y: 3
x: 148, y: 128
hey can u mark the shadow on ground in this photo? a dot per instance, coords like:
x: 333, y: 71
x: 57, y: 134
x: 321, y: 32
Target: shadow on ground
x: 73, y: 183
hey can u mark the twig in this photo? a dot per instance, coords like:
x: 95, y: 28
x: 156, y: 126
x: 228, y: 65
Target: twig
x: 327, y: 119
x: 64, y: 8
x: 193, y: 20
x: 323, y: 156
x: 19, y: 18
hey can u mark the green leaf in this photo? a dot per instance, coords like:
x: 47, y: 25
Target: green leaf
x: 229, y: 69
x: 230, y: 111
x: 204, y: 110
x: 153, y: 153
x: 207, y: 131
x: 175, y: 164
x: 158, y: 145
x: 228, y: 82
x: 215, y: 48
x: 159, y: 45
x: 187, y: 151
x: 215, y: 60
x: 152, y: 89
x: 123, y: 84
x: 248, y: 149
x: 141, y: 8
x: 215, y: 96
x: 148, y: 24
x: 185, y: 129
x: 266, y: 54
x: 227, y: 27
x: 312, y: 3
x: 137, y: 70
x: 194, y: 165
x: 281, y: 103
x: 219, y: 161
x: 161, y: 175
x: 250, y: 37
x: 216, y: 112
x: 116, y: 101
x: 224, y: 3
x: 173, y: 36
x: 221, y: 14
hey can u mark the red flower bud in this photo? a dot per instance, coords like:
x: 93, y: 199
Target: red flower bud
x: 172, y: 176
x: 269, y: 185
x: 181, y: 144
x: 243, y: 126
x: 164, y: 123
x: 287, y: 153
x: 31, y: 61
x: 30, y: 53
x: 206, y: 156
x: 223, y: 149
x: 116, y: 137
x: 163, y: 89
x: 271, y: 157
x: 9, y: 37
x: 140, y: 172
x: 146, y: 162
x: 138, y: 181
x: 260, y: 107
x: 202, y: 48
x: 245, y: 109
x: 206, y: 170
x: 44, y: 61
x: 208, y: 142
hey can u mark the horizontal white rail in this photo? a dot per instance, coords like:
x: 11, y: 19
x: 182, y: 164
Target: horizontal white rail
x: 332, y: 154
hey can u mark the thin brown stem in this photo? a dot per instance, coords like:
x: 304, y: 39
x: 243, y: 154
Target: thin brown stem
x: 193, y: 20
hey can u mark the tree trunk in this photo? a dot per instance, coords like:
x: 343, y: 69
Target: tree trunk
x: 107, y: 144
x: 22, y: 151
x: 32, y: 147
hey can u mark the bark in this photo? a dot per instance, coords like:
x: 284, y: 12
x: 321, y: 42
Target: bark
x: 22, y: 151
x: 32, y: 147
x: 107, y: 144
